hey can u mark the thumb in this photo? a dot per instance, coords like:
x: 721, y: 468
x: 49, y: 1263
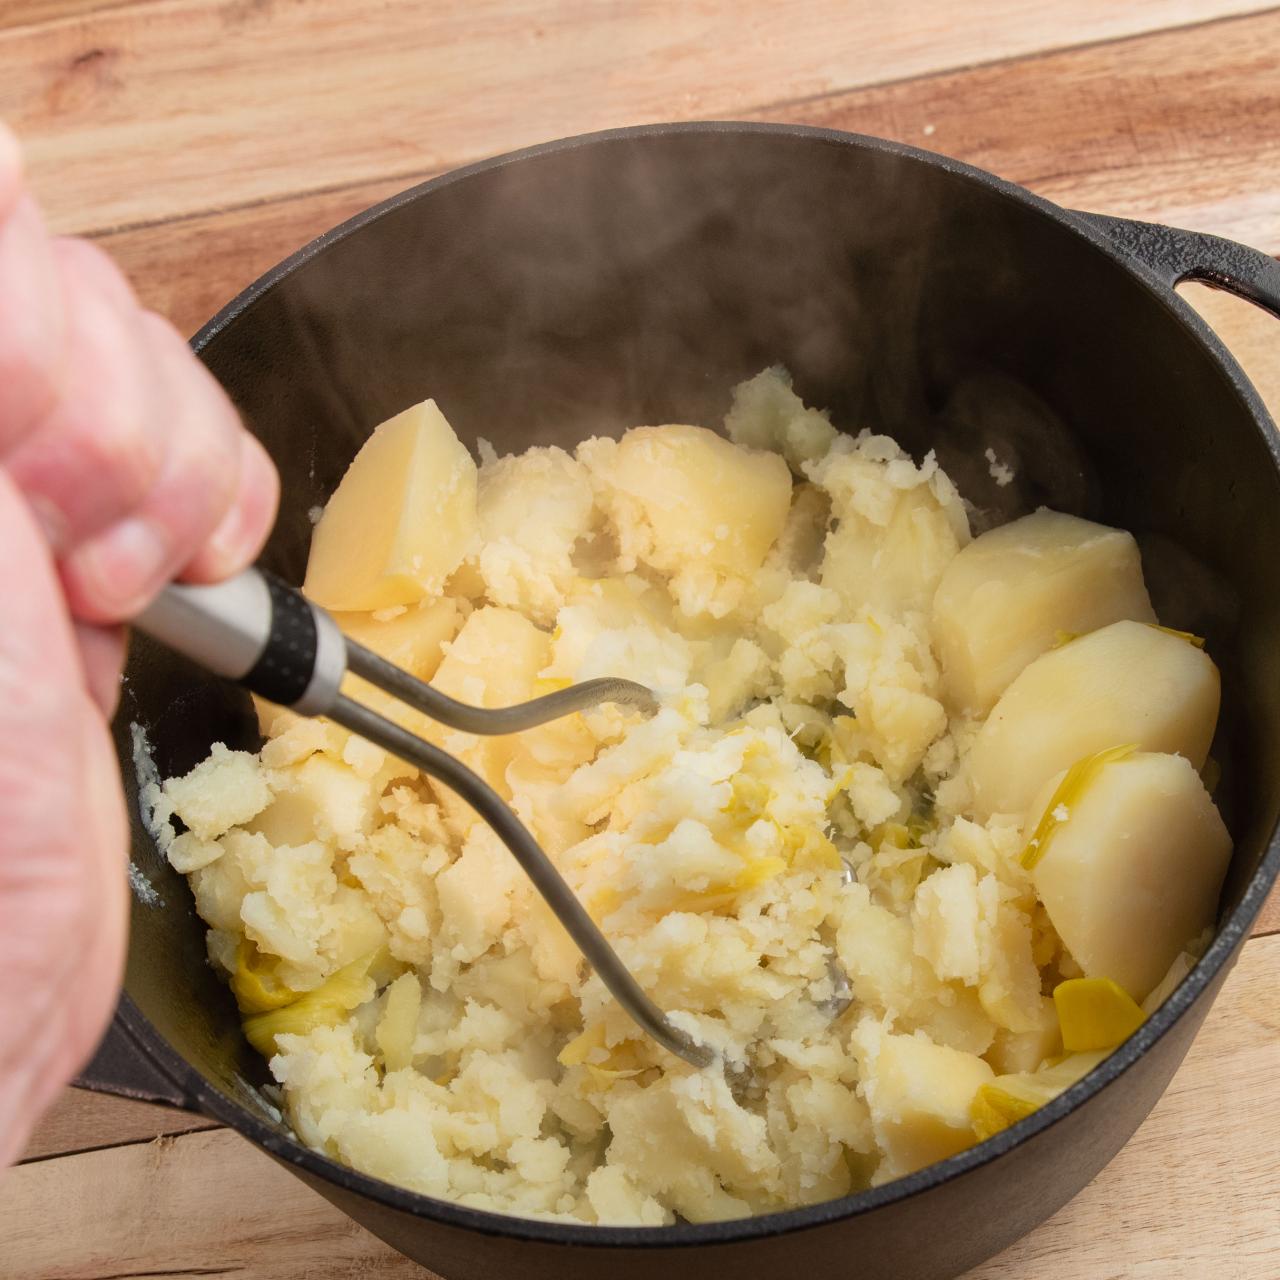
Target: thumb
x: 62, y: 838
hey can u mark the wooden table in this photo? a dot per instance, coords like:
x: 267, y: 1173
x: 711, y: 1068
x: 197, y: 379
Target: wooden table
x: 202, y: 140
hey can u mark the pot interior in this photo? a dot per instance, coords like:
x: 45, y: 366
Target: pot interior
x: 635, y: 279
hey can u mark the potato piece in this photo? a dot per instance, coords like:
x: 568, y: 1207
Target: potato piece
x: 1020, y: 1051
x: 493, y: 662
x: 1008, y: 596
x: 767, y: 414
x: 920, y: 1094
x: 413, y: 639
x: 945, y: 916
x: 895, y: 568
x: 701, y: 499
x: 288, y: 820
x: 401, y: 519
x: 1134, y: 870
x: 226, y: 789
x: 1127, y: 683
x: 398, y: 1025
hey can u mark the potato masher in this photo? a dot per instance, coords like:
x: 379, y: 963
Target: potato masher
x: 264, y: 634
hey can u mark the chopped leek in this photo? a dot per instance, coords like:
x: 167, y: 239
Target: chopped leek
x: 255, y: 983
x: 575, y: 1052
x: 1095, y: 1013
x: 1007, y: 1099
x: 335, y: 997
x: 995, y: 1108
x: 621, y: 1062
x: 1068, y: 792
x: 1190, y: 637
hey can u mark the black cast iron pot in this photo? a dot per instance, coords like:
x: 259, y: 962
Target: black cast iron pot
x: 633, y: 277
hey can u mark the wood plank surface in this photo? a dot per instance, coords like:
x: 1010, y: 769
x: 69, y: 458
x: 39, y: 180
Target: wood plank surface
x: 84, y: 1121
x: 1179, y: 126
x: 203, y: 140
x: 1211, y: 172
x: 26, y: 13
x: 1192, y: 1196
x: 1269, y: 919
x: 143, y: 113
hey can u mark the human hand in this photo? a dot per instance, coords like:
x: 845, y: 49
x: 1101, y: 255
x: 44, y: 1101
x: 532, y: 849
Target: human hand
x: 122, y: 465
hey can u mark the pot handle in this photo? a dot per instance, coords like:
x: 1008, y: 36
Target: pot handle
x: 1176, y: 255
x: 121, y: 1066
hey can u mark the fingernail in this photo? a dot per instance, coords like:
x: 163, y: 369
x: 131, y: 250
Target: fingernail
x: 126, y: 564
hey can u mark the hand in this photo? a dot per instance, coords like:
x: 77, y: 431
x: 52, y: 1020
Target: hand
x: 122, y: 466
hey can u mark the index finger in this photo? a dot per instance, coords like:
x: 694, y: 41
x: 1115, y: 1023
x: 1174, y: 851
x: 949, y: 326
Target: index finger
x: 32, y: 323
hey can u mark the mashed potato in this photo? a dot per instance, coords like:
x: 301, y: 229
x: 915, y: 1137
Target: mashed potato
x: 797, y: 831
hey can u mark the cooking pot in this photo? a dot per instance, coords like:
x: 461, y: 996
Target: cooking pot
x: 633, y: 277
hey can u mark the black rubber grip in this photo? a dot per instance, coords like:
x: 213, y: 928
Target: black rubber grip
x: 287, y: 664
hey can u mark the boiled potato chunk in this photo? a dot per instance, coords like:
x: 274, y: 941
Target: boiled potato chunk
x: 413, y: 640
x: 398, y: 1026
x: 319, y: 799
x: 1127, y: 683
x: 1011, y: 593
x: 1015, y: 1051
x: 896, y: 567
x: 702, y: 498
x: 920, y: 1100
x: 1133, y: 871
x: 493, y: 662
x: 401, y: 519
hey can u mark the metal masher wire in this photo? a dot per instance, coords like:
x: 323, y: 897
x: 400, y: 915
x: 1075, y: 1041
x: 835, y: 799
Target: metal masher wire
x: 494, y: 720
x: 264, y: 634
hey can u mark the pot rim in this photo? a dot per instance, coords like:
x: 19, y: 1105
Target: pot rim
x: 285, y: 1147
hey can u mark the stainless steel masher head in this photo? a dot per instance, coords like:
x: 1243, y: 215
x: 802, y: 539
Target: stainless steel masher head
x: 264, y: 634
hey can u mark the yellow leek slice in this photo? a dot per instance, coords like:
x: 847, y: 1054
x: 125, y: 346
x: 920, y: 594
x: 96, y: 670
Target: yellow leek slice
x: 335, y: 997
x: 1067, y: 793
x: 806, y: 847
x: 575, y: 1052
x: 1190, y: 637
x: 255, y: 984
x: 994, y: 1108
x: 1095, y: 1013
x: 1007, y: 1099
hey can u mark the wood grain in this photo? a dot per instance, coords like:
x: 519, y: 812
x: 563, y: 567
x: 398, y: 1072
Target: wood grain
x: 159, y: 1209
x: 144, y: 113
x: 188, y: 269
x: 1269, y: 918
x: 1179, y: 126
x: 1250, y: 334
x: 26, y: 13
x: 82, y: 1121
x: 1189, y: 168
x: 1192, y: 1197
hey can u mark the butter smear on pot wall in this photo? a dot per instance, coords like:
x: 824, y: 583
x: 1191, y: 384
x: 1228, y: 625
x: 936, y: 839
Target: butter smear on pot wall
x: 969, y: 766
